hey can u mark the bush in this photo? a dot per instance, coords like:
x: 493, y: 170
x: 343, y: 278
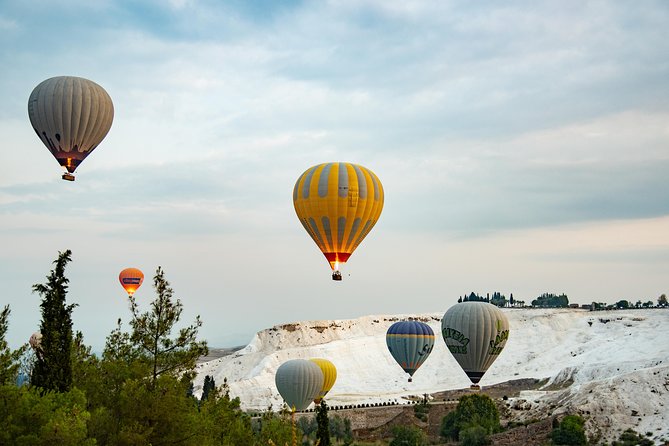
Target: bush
x: 408, y: 436
x: 472, y: 410
x: 570, y: 431
x: 474, y: 436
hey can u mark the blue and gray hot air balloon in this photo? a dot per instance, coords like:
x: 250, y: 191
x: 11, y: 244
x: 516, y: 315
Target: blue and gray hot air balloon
x: 410, y: 343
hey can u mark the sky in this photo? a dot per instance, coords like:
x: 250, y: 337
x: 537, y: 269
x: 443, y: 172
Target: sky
x: 523, y: 148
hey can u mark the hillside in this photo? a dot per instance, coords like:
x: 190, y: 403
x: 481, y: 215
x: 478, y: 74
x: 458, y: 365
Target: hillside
x: 612, y: 366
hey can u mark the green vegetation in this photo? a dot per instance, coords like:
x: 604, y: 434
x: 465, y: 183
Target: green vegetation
x: 472, y: 411
x: 569, y: 431
x: 323, y: 431
x: 138, y: 392
x: 53, y: 368
x: 549, y: 300
x: 631, y: 438
x: 409, y: 436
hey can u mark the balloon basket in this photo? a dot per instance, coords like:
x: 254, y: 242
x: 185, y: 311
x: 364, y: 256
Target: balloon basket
x: 68, y: 177
x: 336, y: 275
x: 475, y: 388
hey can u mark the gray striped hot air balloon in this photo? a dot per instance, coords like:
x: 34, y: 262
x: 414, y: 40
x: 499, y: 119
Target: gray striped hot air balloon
x: 71, y: 115
x: 475, y: 333
x: 299, y: 382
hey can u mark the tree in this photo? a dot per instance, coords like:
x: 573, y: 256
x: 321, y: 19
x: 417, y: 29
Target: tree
x: 340, y: 428
x: 53, y: 368
x: 550, y: 300
x: 9, y: 360
x: 208, y: 385
x: 622, y: 304
x: 323, y: 432
x: 570, y: 431
x: 662, y: 301
x: 472, y: 410
x: 408, y: 436
x: 152, y: 330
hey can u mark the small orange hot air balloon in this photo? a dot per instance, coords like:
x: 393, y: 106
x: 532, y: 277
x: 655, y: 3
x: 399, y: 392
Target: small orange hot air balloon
x: 131, y: 279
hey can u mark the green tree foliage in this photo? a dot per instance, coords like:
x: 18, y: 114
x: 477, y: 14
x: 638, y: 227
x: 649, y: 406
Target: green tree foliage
x: 662, y: 301
x: 323, y: 431
x: 278, y: 428
x: 472, y: 410
x: 570, y: 431
x: 9, y: 359
x: 474, y: 436
x: 409, y: 436
x: 152, y: 333
x: 208, y: 385
x: 549, y: 300
x: 622, y: 305
x: 498, y: 299
x: 340, y: 429
x: 53, y: 368
x: 33, y: 417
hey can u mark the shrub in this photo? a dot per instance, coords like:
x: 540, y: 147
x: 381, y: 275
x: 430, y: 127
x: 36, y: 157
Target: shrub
x: 570, y: 431
x: 408, y: 436
x: 474, y: 436
x: 472, y: 410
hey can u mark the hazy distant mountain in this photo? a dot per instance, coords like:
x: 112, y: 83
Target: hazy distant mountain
x: 613, y: 366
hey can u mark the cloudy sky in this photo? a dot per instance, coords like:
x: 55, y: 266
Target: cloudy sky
x: 523, y: 148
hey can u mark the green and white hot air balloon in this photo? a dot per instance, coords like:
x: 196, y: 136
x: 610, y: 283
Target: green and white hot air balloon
x: 299, y: 382
x: 475, y: 333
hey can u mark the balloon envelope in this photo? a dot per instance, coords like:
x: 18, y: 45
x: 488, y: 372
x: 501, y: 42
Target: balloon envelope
x: 71, y: 116
x: 329, y: 377
x: 299, y: 382
x: 131, y: 279
x: 475, y: 333
x: 338, y: 204
x: 410, y: 343
x: 35, y: 340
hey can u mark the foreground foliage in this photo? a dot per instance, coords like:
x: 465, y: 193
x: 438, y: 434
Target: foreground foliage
x: 138, y: 392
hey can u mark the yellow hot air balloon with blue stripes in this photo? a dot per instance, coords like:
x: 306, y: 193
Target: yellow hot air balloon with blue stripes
x: 338, y: 204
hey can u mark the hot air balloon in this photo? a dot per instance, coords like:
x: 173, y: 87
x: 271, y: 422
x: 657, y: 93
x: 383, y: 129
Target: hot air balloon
x: 410, y: 343
x: 338, y: 204
x: 71, y: 116
x: 131, y: 279
x: 475, y: 333
x: 299, y: 382
x: 35, y: 341
x: 329, y: 377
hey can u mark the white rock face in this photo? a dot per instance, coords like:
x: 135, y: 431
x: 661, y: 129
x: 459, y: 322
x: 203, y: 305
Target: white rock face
x: 612, y: 364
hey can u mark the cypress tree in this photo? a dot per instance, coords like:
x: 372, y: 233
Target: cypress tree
x: 323, y: 431
x: 53, y: 367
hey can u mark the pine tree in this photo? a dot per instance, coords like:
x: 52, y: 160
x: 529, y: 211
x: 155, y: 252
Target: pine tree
x: 53, y: 368
x: 152, y: 334
x: 9, y: 360
x: 207, y: 387
x: 323, y: 431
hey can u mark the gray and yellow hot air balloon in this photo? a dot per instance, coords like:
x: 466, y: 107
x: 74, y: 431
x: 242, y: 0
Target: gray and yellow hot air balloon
x: 410, y: 343
x: 299, y: 382
x: 338, y: 204
x: 475, y: 333
x: 71, y: 115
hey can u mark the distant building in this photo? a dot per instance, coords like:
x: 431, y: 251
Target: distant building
x: 574, y: 306
x: 586, y: 307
